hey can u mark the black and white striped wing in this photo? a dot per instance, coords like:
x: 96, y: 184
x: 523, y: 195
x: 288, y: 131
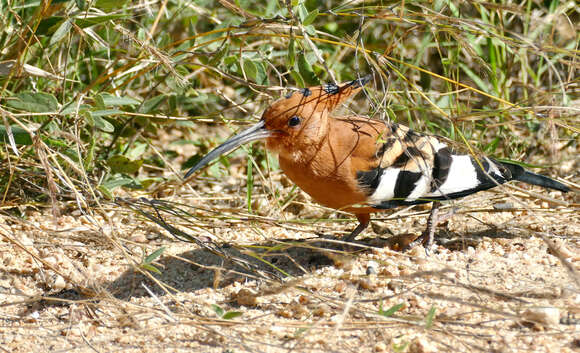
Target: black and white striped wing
x: 414, y: 168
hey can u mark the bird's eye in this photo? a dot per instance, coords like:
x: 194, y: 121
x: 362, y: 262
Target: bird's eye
x: 294, y: 121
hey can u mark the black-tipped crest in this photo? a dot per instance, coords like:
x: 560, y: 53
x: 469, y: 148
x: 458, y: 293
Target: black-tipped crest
x: 330, y: 88
x: 359, y: 82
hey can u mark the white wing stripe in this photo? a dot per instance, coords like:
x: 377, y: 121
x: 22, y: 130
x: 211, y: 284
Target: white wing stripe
x: 462, y: 176
x: 386, y: 188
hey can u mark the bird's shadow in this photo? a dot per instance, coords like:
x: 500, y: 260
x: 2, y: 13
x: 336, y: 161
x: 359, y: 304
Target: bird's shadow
x: 201, y: 268
x: 204, y: 268
x: 216, y: 265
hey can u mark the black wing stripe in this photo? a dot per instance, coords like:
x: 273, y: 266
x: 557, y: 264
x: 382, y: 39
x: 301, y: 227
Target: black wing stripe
x: 441, y: 167
x: 405, y: 184
x: 369, y: 180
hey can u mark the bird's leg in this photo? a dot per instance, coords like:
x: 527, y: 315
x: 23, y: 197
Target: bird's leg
x: 364, y: 220
x: 428, y: 235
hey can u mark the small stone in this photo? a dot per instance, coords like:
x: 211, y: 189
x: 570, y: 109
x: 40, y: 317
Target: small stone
x: 139, y: 238
x: 152, y: 235
x: 340, y: 287
x: 246, y: 297
x: 372, y: 268
x: 380, y: 347
x: 422, y: 345
x: 321, y: 310
x: 390, y: 271
x: 543, y: 315
x: 261, y: 206
x: 59, y: 283
x: 368, y: 284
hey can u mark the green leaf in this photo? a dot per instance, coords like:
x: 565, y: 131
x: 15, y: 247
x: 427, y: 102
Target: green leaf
x: 429, y: 318
x: 56, y: 143
x: 72, y: 108
x: 106, y: 191
x: 492, y: 146
x: 90, y: 154
x: 480, y: 83
x: 106, y: 112
x: 310, y: 30
x: 400, y: 347
x: 34, y: 102
x: 137, y: 151
x: 217, y: 57
x: 191, y: 161
x: 151, y: 105
x: 331, y: 26
x: 114, y: 182
x: 232, y: 315
x: 146, y: 182
x: 306, y: 71
x: 49, y: 25
x: 121, y: 164
x: 261, y: 76
x: 250, y: 69
x: 85, y: 22
x: 302, y: 12
x: 310, y: 17
x: 81, y: 4
x: 21, y: 137
x: 218, y: 310
x: 291, y: 52
x: 151, y: 268
x: 297, y: 78
x: 249, y: 182
x: 109, y: 100
x: 154, y: 255
x: 231, y: 61
x: 61, y: 32
x: 393, y: 309
x: 103, y: 124
x: 109, y: 5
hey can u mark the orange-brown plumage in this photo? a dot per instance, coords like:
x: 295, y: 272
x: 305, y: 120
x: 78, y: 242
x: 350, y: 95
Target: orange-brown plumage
x: 361, y: 165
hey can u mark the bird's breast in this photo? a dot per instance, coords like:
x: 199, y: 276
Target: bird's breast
x: 328, y: 184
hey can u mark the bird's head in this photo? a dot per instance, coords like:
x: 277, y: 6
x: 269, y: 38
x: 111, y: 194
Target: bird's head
x: 299, y: 118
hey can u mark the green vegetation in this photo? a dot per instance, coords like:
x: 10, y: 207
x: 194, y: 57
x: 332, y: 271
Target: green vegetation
x: 97, y: 95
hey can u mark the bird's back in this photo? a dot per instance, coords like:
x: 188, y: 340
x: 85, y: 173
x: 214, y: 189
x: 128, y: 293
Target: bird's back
x: 396, y: 166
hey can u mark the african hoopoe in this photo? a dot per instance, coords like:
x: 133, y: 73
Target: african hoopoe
x: 360, y: 165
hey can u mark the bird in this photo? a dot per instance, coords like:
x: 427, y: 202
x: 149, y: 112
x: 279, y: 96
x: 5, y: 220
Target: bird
x: 362, y: 165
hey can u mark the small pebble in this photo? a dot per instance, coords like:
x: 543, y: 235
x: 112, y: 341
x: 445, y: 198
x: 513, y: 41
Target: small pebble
x: 543, y: 315
x: 503, y: 206
x: 422, y: 345
x: 372, y: 268
x: 381, y: 347
x: 59, y: 283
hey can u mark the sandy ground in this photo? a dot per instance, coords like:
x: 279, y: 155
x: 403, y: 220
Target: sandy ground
x: 501, y: 278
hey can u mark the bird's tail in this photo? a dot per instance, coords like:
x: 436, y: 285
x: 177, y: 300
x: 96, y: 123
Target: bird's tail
x: 520, y: 174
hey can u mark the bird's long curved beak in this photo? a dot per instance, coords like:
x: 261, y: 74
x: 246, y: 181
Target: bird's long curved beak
x: 256, y: 132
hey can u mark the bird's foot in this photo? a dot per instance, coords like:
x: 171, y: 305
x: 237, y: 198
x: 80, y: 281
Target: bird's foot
x: 427, y: 238
x: 363, y: 223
